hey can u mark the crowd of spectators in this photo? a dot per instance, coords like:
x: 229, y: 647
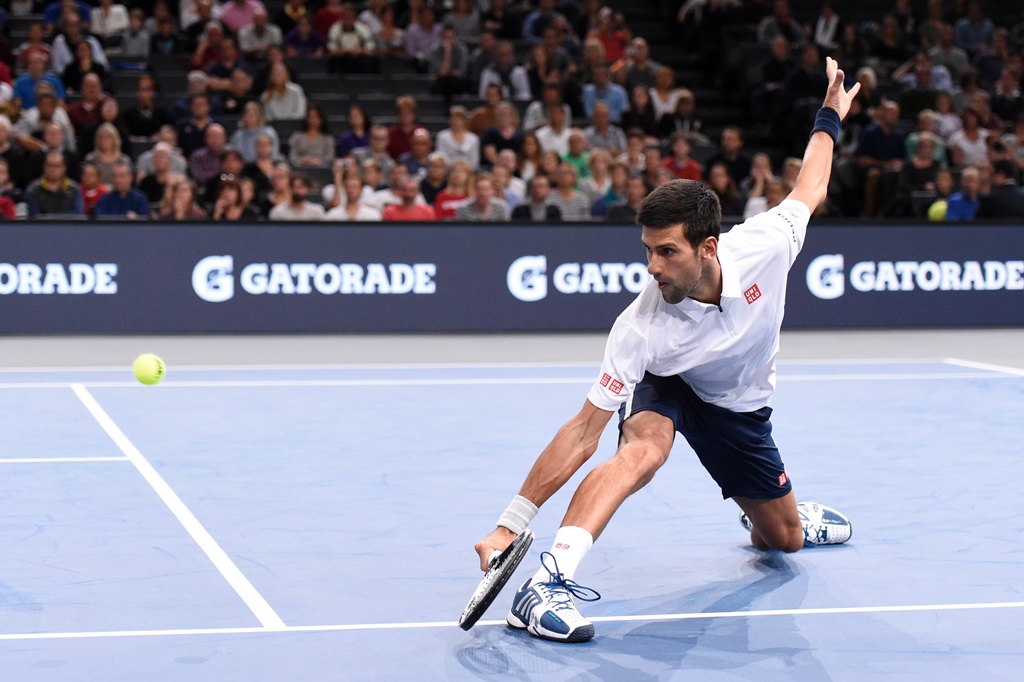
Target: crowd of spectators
x: 571, y: 118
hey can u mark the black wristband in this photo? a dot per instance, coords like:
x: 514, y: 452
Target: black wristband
x: 827, y: 121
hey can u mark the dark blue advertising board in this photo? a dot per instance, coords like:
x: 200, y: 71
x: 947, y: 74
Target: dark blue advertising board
x: 155, y: 278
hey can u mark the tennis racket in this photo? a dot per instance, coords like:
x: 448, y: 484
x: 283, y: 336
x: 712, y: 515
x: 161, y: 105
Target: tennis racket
x: 499, y: 569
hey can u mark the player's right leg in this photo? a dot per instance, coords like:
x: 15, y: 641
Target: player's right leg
x: 544, y: 605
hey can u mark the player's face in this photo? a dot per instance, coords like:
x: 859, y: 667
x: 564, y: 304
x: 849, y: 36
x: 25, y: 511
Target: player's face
x: 675, y: 264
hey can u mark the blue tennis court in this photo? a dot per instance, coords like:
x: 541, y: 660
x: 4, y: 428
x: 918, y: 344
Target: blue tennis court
x: 298, y: 523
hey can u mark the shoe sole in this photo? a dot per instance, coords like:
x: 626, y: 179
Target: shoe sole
x: 584, y: 634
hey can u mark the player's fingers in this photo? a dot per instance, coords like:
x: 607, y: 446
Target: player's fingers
x: 852, y: 92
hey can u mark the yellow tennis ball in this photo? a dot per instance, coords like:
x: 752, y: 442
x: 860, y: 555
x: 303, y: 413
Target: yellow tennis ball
x: 149, y: 369
x: 937, y: 211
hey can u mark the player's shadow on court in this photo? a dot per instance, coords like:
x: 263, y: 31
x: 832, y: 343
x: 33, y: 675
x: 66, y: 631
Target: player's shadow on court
x: 720, y: 643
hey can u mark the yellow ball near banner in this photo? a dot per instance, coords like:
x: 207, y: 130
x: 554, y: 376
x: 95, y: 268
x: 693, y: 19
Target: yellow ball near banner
x: 937, y: 211
x: 149, y: 369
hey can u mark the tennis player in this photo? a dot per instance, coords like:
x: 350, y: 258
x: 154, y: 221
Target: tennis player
x: 694, y: 353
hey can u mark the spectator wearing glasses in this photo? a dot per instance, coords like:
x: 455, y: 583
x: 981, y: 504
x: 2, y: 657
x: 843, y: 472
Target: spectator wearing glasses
x: 54, y: 193
x: 230, y: 205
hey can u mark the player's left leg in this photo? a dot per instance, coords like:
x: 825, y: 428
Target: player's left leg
x: 775, y: 523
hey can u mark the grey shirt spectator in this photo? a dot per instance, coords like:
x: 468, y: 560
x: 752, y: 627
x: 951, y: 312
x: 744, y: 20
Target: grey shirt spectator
x: 459, y: 59
x: 612, y: 138
x: 258, y: 36
x: 576, y: 208
x: 470, y: 212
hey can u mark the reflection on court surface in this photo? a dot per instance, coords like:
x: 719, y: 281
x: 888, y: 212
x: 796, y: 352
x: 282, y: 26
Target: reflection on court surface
x: 318, y: 523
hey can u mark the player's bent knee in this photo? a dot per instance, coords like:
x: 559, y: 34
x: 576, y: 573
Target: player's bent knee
x: 642, y: 461
x: 785, y: 539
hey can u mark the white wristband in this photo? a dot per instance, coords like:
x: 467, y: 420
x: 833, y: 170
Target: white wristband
x: 518, y: 515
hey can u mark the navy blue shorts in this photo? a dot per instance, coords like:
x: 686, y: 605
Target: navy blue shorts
x: 735, y: 447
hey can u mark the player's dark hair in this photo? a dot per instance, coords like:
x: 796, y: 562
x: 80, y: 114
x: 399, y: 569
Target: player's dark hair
x: 686, y: 202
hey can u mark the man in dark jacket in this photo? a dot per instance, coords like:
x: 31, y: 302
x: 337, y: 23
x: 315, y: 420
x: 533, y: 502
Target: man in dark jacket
x: 538, y: 209
x: 54, y: 193
x: 1006, y: 200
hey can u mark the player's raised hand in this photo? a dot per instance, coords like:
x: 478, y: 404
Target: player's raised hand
x: 838, y: 97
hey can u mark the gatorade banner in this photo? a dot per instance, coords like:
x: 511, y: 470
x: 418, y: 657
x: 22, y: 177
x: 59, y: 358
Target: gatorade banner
x: 172, y: 278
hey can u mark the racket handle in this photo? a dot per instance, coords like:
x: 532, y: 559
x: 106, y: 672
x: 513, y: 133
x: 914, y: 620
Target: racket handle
x: 494, y: 555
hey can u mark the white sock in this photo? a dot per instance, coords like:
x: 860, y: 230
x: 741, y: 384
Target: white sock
x: 570, y: 546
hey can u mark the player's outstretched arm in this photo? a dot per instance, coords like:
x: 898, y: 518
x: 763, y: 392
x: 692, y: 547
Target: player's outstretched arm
x: 812, y: 182
x: 571, y: 447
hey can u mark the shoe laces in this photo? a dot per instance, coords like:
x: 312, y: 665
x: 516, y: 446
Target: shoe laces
x: 563, y: 589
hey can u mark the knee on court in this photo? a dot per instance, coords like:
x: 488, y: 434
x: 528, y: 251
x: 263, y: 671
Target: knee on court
x: 786, y: 539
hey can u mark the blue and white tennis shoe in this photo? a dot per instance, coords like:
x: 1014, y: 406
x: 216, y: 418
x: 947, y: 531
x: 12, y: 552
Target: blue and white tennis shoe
x: 822, y: 525
x: 547, y: 610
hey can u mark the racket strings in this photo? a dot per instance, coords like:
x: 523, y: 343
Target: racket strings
x: 571, y: 587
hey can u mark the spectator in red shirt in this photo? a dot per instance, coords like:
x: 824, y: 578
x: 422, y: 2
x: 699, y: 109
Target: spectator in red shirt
x: 33, y: 45
x: 612, y: 32
x: 400, y: 134
x: 327, y: 16
x: 680, y: 163
x: 408, y: 211
x: 456, y: 193
x: 92, y: 189
x: 86, y: 111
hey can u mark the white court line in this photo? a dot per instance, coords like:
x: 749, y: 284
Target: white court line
x: 971, y: 364
x: 344, y: 366
x: 253, y: 599
x: 39, y: 460
x: 495, y: 381
x: 452, y: 624
x: 439, y: 365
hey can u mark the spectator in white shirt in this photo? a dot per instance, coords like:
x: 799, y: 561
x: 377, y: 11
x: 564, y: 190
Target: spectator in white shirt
x: 555, y: 135
x: 353, y: 208
x: 456, y: 142
x: 297, y: 208
x: 255, y: 39
x: 108, y: 19
x: 283, y: 100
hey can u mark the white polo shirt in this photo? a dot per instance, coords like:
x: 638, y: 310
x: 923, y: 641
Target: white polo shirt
x: 727, y: 355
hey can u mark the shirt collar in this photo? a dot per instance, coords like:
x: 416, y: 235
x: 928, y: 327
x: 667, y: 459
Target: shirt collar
x: 693, y: 308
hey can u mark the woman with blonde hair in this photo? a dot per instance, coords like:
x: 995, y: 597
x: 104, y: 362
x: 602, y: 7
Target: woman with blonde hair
x: 250, y: 126
x: 283, y: 100
x: 107, y: 153
x: 458, y: 191
x: 280, y: 188
x: 597, y: 184
x: 179, y: 202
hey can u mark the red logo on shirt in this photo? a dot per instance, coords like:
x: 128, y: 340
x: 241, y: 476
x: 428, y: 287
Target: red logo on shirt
x: 752, y: 294
x: 615, y: 386
x: 605, y: 378
x: 782, y: 479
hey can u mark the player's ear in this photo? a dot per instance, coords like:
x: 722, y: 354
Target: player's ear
x: 709, y: 248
